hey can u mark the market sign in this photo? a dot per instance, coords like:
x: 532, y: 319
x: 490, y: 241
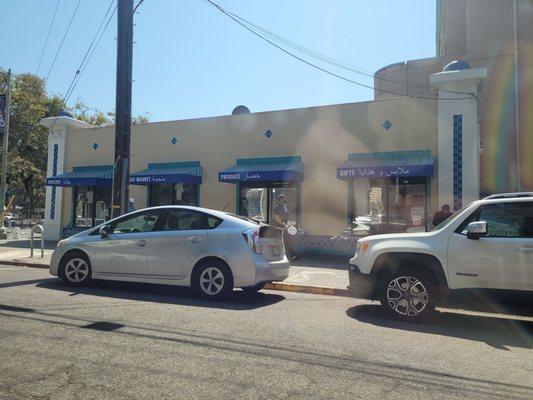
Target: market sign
x: 384, y: 172
x: 252, y: 176
x: 165, y: 178
x: 58, y: 182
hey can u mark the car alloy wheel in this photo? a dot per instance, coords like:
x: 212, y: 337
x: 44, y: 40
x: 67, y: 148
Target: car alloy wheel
x: 407, y: 296
x: 76, y: 270
x: 212, y: 281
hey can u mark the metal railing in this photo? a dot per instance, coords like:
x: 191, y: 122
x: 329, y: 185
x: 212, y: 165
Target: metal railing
x: 37, y: 229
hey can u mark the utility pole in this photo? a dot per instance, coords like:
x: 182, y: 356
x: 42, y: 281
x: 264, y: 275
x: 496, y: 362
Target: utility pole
x: 121, y: 167
x: 4, y: 120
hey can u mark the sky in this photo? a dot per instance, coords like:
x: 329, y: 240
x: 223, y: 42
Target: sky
x: 190, y: 60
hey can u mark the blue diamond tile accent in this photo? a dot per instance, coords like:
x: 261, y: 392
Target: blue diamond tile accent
x: 387, y: 124
x: 54, y: 173
x: 268, y: 133
x: 457, y: 162
x: 95, y: 146
x: 174, y: 140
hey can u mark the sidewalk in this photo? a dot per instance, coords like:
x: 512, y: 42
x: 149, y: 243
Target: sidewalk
x: 312, y: 274
x: 17, y: 252
x: 317, y: 274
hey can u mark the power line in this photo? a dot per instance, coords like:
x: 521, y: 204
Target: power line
x: 236, y: 19
x: 99, y: 38
x: 91, y: 48
x: 48, y: 36
x: 137, y: 6
x: 87, y: 57
x: 62, y: 41
x: 333, y: 61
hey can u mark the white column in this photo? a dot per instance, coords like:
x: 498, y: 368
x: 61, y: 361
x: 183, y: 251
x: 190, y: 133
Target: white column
x: 57, y: 157
x: 453, y: 106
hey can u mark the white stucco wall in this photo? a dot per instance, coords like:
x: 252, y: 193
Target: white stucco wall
x: 451, y: 104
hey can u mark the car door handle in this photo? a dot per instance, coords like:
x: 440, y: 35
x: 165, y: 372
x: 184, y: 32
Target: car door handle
x: 195, y: 239
x: 142, y: 243
x: 526, y: 249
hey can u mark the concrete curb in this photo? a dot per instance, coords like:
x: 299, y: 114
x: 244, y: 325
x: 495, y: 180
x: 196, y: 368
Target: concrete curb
x: 290, y: 287
x: 23, y: 264
x: 285, y: 287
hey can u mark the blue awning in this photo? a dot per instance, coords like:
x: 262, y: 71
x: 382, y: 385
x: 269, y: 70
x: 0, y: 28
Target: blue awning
x: 97, y: 175
x: 387, y: 164
x: 176, y: 172
x: 281, y: 169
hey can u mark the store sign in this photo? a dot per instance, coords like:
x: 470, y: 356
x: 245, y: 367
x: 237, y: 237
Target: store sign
x: 58, y: 182
x: 148, y: 179
x: 259, y: 176
x: 385, y: 172
x: 89, y: 181
x: 167, y: 178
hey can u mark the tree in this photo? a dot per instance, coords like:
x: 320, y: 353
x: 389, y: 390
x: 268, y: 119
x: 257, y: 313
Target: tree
x: 99, y: 119
x: 92, y: 116
x: 28, y: 141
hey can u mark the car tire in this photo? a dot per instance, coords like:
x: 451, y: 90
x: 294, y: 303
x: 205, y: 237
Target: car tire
x: 212, y: 280
x: 75, y: 269
x: 254, y: 288
x: 408, y: 294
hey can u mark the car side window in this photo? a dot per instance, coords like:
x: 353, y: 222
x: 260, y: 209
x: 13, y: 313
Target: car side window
x: 181, y: 219
x: 510, y: 220
x: 137, y: 223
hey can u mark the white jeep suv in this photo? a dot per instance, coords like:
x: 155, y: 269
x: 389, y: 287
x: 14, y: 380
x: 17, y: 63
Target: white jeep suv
x: 488, y: 245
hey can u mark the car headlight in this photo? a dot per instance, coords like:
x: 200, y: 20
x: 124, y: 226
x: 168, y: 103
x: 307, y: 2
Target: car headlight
x: 62, y: 242
x: 361, y: 248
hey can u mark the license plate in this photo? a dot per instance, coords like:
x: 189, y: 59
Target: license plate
x: 275, y: 251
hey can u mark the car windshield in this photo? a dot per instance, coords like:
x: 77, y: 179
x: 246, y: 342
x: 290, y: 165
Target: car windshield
x: 450, y: 219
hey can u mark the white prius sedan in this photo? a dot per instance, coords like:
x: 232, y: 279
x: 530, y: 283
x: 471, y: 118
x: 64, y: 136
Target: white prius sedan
x: 211, y: 251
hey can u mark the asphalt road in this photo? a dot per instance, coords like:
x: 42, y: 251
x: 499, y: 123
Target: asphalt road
x: 130, y: 341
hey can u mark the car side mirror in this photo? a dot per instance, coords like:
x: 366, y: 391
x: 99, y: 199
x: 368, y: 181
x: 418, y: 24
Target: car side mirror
x: 104, y: 231
x: 475, y: 230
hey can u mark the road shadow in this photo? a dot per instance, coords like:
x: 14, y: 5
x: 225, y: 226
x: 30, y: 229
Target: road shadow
x: 497, y: 332
x: 492, y: 301
x: 25, y: 282
x: 165, y: 294
x: 25, y: 244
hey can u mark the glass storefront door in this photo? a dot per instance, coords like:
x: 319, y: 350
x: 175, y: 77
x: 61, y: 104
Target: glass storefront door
x: 254, y: 203
x: 387, y: 205
x: 257, y: 200
x: 92, y: 205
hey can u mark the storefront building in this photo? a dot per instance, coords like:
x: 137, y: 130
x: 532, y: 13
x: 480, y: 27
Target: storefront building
x: 260, y: 181
x: 347, y: 170
x: 388, y: 192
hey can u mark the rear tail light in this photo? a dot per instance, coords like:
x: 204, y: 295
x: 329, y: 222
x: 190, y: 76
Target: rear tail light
x: 251, y: 236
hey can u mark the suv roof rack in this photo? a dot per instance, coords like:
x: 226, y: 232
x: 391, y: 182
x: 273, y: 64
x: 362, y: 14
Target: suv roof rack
x: 509, y: 195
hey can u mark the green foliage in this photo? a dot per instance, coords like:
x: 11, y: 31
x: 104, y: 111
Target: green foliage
x: 28, y: 141
x: 92, y: 116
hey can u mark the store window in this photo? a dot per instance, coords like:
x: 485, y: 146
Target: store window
x: 163, y: 194
x: 92, y: 205
x: 257, y: 200
x: 387, y: 205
